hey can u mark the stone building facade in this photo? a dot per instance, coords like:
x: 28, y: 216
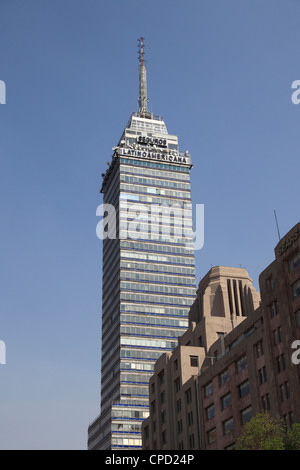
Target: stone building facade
x: 235, y: 359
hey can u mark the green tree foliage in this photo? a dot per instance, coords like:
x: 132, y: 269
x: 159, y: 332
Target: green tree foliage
x: 262, y: 432
x: 293, y: 437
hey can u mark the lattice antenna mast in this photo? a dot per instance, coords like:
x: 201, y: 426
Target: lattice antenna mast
x: 143, y: 99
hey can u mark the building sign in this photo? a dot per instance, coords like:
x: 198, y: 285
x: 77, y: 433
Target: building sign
x: 288, y: 242
x: 163, y: 157
x: 151, y: 140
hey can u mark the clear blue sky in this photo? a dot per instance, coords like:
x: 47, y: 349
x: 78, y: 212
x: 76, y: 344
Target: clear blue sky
x: 220, y: 73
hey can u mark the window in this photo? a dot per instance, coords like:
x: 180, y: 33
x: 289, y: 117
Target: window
x: 244, y: 389
x: 224, y: 377
x: 176, y: 364
x: 277, y: 335
x: 294, y: 262
x: 208, y: 389
x: 226, y: 401
x: 212, y: 436
x: 152, y: 388
x: 297, y: 316
x: 191, y: 441
x: 190, y: 418
x: 284, y: 391
x: 194, y: 361
x: 153, y: 407
x: 278, y: 364
x: 259, y: 349
x: 210, y: 411
x: 188, y: 396
x: 161, y: 377
x: 296, y: 289
x: 164, y: 437
x: 163, y: 397
x: 241, y: 364
x: 146, y: 432
x: 228, y: 426
x: 177, y: 384
x: 262, y: 373
x: 274, y: 309
x: 287, y: 389
x: 246, y: 415
x: 281, y: 363
x: 179, y: 426
x: 270, y: 283
x: 178, y: 405
x: 265, y: 402
x: 163, y: 417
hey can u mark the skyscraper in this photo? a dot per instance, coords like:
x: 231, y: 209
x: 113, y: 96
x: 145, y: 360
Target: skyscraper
x: 148, y: 269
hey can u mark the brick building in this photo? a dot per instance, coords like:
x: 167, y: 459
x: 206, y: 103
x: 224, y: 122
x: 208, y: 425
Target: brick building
x: 233, y: 361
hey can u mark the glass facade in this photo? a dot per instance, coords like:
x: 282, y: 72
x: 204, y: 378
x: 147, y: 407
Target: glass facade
x: 148, y: 272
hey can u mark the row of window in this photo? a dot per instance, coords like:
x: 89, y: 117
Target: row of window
x: 224, y: 376
x: 226, y: 400
x: 153, y: 247
x: 157, y: 321
x: 155, y: 278
x: 155, y: 299
x: 140, y: 354
x: 125, y: 427
x: 145, y: 343
x: 296, y: 289
x: 135, y: 391
x: 136, y: 255
x: 155, y: 214
x: 228, y: 425
x: 125, y: 442
x: 157, y: 289
x: 273, y: 309
x: 129, y: 414
x: 138, y: 378
x: 294, y: 262
x: 153, y: 198
x: 153, y: 332
x: 182, y: 237
x: 147, y: 164
x: 148, y: 309
x: 163, y: 269
x: 154, y: 182
x: 153, y: 172
x: 139, y: 366
x: 161, y: 192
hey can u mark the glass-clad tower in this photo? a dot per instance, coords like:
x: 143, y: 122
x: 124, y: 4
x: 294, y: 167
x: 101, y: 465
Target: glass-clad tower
x: 148, y: 269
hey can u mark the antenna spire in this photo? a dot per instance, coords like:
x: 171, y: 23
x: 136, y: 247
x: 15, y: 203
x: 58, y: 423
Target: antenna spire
x: 143, y: 100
